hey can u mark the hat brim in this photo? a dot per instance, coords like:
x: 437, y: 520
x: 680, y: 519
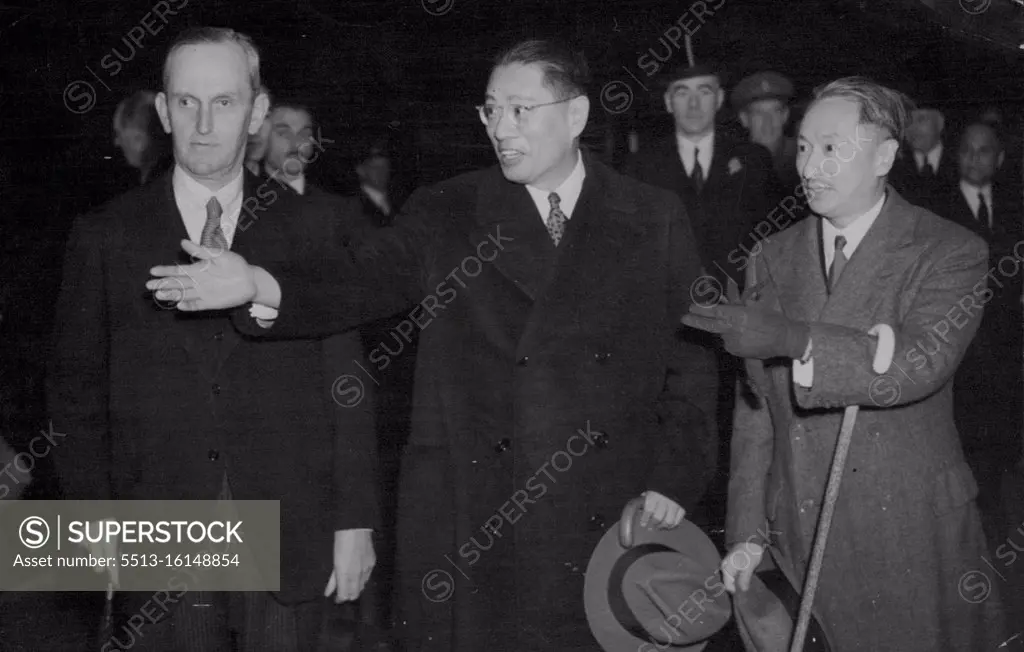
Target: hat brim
x: 604, y: 623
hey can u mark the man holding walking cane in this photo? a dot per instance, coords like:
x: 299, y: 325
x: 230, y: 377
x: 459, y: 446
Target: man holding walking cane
x: 873, y: 278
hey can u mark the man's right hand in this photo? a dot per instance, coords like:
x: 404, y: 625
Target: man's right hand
x: 739, y: 566
x: 105, y: 549
x: 220, y: 279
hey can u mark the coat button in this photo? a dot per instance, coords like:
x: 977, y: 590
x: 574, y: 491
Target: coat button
x: 523, y: 361
x: 600, y: 439
x: 215, y: 388
x: 597, y: 523
x: 219, y: 335
x: 213, y: 454
x: 602, y: 357
x: 503, y: 445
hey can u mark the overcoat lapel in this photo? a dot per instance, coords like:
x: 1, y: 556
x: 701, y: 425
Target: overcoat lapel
x: 603, y: 228
x: 873, y: 264
x: 506, y: 208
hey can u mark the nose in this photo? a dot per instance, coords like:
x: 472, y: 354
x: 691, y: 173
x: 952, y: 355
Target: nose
x: 204, y: 120
x: 693, y: 102
x: 809, y: 164
x: 503, y: 127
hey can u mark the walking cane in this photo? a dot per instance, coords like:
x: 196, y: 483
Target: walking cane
x: 883, y: 358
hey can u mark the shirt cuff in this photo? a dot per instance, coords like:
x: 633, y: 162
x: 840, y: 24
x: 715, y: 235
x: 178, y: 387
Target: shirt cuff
x: 803, y: 369
x: 264, y: 315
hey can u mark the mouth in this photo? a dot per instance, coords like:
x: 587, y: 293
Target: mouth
x: 510, y: 156
x: 814, y: 188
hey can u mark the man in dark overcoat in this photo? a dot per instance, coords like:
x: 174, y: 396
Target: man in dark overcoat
x: 904, y: 568
x: 553, y: 381
x: 987, y: 391
x: 171, y: 406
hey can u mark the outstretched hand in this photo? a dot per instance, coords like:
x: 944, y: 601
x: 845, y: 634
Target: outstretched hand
x: 219, y: 279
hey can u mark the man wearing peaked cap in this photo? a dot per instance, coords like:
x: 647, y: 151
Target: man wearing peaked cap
x: 762, y: 103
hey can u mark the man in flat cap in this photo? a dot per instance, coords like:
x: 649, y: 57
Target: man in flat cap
x: 762, y: 103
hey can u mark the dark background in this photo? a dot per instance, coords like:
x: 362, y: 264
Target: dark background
x: 414, y: 69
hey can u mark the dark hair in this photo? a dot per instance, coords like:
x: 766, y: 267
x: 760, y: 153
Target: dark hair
x: 199, y: 35
x: 880, y: 106
x: 984, y: 125
x: 565, y: 71
x: 139, y: 110
x: 293, y: 104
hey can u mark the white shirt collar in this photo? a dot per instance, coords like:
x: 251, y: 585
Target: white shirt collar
x: 970, y: 193
x: 377, y: 197
x: 568, y: 192
x: 934, y: 157
x: 706, y: 147
x: 192, y: 197
x: 299, y: 184
x: 853, y: 233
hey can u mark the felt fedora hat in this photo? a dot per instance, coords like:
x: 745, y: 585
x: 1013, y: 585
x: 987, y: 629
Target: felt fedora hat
x: 650, y: 589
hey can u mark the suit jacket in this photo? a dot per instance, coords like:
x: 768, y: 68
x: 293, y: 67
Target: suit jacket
x: 987, y: 389
x: 919, y: 190
x: 733, y: 211
x: 162, y: 403
x: 906, y: 525
x: 529, y: 355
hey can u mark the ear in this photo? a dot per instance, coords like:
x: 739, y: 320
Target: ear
x: 668, y: 102
x: 885, y: 156
x: 720, y: 100
x: 745, y: 119
x: 161, y: 110
x: 579, y: 112
x: 259, y: 113
x: 940, y: 121
x: 785, y: 114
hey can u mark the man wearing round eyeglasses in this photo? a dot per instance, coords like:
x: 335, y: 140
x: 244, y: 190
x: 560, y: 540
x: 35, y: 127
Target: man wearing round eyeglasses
x: 553, y: 388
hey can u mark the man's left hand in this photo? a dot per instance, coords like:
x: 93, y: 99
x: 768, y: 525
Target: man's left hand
x: 751, y: 331
x: 664, y: 511
x: 354, y: 559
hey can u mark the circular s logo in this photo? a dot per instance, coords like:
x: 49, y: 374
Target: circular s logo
x: 34, y: 532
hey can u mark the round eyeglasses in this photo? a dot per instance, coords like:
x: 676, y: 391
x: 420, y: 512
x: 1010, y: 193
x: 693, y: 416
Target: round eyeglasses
x: 518, y: 114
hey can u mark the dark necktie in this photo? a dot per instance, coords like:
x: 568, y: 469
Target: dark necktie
x: 698, y: 172
x: 983, y: 215
x: 213, y: 236
x: 926, y: 170
x: 838, y: 263
x: 556, y: 219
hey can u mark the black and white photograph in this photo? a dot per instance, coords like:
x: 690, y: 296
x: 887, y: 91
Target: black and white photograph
x: 512, y: 326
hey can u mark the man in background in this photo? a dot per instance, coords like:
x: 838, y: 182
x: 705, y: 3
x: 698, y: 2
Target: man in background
x: 762, y: 103
x: 987, y: 390
x: 926, y: 172
x: 728, y: 188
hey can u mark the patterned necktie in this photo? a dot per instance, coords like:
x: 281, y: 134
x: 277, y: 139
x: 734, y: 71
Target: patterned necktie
x: 838, y: 263
x: 983, y: 214
x: 556, y: 219
x: 698, y: 172
x: 213, y: 236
